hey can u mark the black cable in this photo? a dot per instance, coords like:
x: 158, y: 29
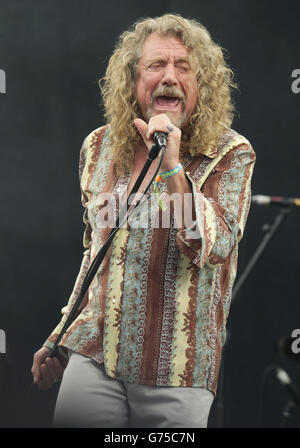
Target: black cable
x: 95, y: 265
x: 99, y: 257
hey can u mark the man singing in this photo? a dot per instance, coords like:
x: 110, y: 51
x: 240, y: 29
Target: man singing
x: 145, y: 347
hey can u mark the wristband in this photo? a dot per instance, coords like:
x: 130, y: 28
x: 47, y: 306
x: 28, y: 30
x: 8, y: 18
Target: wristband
x: 172, y: 172
x: 159, y: 178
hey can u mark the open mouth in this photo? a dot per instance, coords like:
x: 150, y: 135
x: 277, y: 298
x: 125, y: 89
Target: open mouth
x: 168, y: 102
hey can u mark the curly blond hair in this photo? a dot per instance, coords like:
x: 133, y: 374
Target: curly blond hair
x: 214, y: 110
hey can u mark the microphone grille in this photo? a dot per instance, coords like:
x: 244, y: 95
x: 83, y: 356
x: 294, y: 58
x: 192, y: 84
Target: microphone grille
x: 261, y: 199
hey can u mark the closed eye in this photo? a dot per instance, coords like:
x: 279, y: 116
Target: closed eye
x: 183, y: 68
x: 155, y: 65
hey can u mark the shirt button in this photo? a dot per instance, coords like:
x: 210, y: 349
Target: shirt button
x: 113, y: 300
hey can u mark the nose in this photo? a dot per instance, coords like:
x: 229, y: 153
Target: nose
x: 169, y: 75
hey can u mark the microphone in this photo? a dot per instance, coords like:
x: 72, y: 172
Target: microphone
x: 276, y: 200
x: 286, y: 381
x: 160, y: 139
x: 160, y: 143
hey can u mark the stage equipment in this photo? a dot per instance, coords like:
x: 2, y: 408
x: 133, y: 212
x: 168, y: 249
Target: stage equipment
x: 269, y: 233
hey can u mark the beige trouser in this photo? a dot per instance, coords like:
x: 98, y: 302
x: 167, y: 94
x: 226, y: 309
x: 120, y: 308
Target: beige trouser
x: 88, y: 398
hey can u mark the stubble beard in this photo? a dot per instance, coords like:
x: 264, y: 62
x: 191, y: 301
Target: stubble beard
x: 176, y: 120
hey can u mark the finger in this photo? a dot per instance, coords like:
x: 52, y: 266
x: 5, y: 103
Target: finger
x: 59, y: 368
x: 161, y: 123
x: 51, y: 368
x: 36, y: 370
x: 44, y: 386
x: 142, y: 127
x: 38, y: 359
x: 46, y: 380
x: 36, y: 373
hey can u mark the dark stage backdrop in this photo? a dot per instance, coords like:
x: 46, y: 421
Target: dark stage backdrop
x: 52, y: 53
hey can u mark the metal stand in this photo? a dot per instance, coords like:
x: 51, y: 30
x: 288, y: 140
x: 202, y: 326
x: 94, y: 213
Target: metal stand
x: 270, y: 230
x: 286, y: 413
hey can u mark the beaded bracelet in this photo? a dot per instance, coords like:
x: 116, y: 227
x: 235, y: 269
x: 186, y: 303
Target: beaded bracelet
x: 166, y: 174
x: 170, y: 173
x: 159, y: 178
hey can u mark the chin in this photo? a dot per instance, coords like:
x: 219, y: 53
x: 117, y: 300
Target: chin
x: 175, y: 118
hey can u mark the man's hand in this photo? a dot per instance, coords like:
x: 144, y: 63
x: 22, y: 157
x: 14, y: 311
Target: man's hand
x: 160, y: 123
x: 46, y: 370
x: 185, y: 211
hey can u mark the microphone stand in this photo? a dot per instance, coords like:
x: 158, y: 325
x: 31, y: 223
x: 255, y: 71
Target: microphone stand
x: 160, y: 144
x: 287, y: 412
x: 270, y: 231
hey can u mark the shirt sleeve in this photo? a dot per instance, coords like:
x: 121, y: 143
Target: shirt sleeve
x: 221, y: 207
x: 85, y: 259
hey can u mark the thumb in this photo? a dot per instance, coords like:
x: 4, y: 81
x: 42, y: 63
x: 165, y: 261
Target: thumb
x: 142, y: 127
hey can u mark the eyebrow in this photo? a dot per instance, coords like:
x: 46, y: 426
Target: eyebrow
x: 161, y: 59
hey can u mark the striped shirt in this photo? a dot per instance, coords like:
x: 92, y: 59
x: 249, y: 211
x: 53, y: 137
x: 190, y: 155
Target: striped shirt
x: 156, y: 311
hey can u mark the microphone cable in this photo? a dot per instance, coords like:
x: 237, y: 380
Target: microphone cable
x: 155, y: 149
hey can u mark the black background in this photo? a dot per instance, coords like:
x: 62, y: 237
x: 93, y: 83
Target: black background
x: 53, y: 53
